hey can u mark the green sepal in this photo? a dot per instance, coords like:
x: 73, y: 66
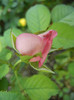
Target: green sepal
x: 38, y: 54
x: 13, y: 40
x: 43, y: 68
x: 25, y: 58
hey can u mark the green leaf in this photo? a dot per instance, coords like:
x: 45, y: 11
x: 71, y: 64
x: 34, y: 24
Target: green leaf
x: 69, y: 19
x: 71, y: 69
x: 63, y: 13
x: 3, y: 84
x: 65, y: 37
x: 11, y: 96
x: 38, y: 18
x: 43, y: 68
x: 40, y: 87
x: 4, y: 69
x: 5, y: 54
x: 7, y: 35
x: 2, y: 41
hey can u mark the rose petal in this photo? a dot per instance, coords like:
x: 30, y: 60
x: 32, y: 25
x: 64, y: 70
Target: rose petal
x: 45, y: 52
x: 28, y: 44
x: 47, y: 43
x: 48, y: 34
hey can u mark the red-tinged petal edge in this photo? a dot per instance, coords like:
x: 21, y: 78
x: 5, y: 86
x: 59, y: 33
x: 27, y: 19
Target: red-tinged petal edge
x: 47, y: 43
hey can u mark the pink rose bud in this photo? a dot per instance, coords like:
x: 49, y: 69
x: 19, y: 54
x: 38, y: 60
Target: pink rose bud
x: 31, y: 44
